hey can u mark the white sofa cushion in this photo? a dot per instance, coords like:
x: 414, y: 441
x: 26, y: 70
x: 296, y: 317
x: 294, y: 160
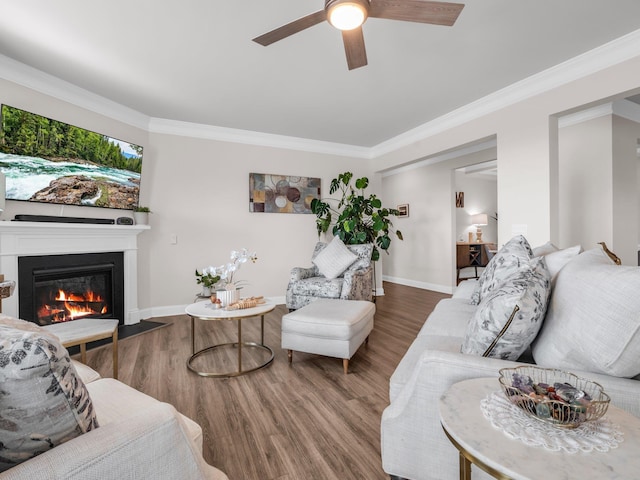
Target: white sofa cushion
x: 593, y: 322
x: 543, y: 250
x: 514, y: 255
x: 559, y: 258
x: 334, y: 259
x: 43, y: 401
x: 510, y: 315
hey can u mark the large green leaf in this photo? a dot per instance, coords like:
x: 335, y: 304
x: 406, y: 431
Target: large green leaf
x: 362, y: 183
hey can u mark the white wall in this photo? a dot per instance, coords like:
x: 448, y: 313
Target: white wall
x: 585, y: 174
x: 426, y: 258
x: 480, y: 196
x: 599, y: 185
x: 200, y: 192
x: 197, y: 189
x: 526, y: 132
x: 180, y: 178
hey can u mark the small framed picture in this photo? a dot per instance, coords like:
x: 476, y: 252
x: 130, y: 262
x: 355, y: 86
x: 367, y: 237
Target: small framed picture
x: 404, y: 210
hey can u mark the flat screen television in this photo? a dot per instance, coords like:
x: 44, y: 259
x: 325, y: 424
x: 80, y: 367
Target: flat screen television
x: 48, y: 161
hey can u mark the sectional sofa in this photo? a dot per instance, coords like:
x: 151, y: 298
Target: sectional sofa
x: 575, y: 311
x: 60, y: 420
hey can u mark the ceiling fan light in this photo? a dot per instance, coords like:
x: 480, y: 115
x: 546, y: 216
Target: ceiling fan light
x: 347, y: 15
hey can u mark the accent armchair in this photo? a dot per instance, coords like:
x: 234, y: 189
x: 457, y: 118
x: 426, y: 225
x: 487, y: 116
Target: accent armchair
x: 355, y: 283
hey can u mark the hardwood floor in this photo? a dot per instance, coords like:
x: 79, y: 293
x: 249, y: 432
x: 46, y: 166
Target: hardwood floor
x: 307, y: 421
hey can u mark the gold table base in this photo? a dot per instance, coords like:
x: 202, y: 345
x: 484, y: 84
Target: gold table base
x: 239, y: 345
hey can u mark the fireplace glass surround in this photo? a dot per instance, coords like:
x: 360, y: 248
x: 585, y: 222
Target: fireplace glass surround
x: 61, y: 288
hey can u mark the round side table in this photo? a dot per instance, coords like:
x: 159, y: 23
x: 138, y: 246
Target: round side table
x: 204, y: 311
x: 479, y: 443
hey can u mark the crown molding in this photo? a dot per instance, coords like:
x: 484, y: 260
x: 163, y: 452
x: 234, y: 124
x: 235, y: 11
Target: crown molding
x: 621, y: 108
x: 604, y: 56
x: 247, y: 137
x: 42, y: 82
x: 457, y: 153
x: 585, y: 115
x: 599, y: 58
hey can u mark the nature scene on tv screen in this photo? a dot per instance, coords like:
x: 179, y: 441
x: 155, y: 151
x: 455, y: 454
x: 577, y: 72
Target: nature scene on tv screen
x: 49, y: 161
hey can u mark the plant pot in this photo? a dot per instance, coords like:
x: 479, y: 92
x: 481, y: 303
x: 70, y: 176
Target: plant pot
x: 206, y: 291
x: 141, y: 218
x: 227, y: 297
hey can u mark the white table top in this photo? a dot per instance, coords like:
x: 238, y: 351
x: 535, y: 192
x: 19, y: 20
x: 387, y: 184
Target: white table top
x: 205, y: 311
x: 463, y: 419
x: 82, y: 328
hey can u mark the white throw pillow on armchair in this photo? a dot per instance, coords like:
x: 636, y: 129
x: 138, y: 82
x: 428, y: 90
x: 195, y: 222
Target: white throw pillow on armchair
x: 334, y: 259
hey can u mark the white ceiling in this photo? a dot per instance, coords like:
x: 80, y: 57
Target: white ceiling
x: 194, y: 61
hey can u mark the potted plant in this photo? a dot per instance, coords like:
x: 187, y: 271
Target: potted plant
x: 227, y: 288
x: 208, y: 279
x: 356, y: 218
x: 141, y: 215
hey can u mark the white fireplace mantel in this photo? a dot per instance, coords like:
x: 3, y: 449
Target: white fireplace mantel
x: 20, y: 239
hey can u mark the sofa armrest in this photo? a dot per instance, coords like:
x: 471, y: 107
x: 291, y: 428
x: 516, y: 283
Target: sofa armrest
x: 153, y: 445
x: 411, y: 426
x: 358, y: 284
x: 300, y: 273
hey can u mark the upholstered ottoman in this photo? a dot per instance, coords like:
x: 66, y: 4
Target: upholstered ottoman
x: 335, y: 328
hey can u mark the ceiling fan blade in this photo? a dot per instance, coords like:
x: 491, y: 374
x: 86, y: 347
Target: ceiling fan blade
x: 291, y: 28
x: 421, y: 11
x: 354, y: 48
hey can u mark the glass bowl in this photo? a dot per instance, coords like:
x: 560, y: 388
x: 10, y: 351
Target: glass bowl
x: 554, y: 396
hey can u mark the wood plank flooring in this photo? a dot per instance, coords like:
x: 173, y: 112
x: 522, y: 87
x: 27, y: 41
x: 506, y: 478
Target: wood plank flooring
x: 307, y: 421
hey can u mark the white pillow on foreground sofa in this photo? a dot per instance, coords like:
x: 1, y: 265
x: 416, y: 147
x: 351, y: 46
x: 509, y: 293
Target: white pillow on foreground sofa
x: 593, y: 319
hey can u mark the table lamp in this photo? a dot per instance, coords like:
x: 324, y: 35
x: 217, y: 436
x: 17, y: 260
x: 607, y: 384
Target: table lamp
x: 479, y: 219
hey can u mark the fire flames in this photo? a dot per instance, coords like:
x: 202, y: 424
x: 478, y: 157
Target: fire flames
x: 68, y: 306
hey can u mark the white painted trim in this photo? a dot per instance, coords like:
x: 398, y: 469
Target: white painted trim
x: 478, y: 147
x: 585, y: 115
x: 234, y: 135
x: 604, y: 56
x: 30, y: 77
x: 423, y: 285
x: 622, y: 108
x: 626, y: 109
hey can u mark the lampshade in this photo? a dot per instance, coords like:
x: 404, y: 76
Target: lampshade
x: 346, y: 15
x: 479, y: 219
x: 3, y: 191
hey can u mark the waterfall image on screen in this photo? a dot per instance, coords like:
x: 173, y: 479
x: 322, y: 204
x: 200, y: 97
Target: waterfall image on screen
x: 48, y: 161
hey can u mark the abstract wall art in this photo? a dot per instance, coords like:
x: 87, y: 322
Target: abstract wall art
x: 270, y: 193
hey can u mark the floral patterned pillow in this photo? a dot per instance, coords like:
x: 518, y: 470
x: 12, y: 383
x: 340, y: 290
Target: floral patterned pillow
x: 515, y: 254
x: 510, y: 315
x: 43, y: 401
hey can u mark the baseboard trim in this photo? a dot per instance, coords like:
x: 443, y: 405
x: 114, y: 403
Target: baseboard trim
x: 171, y: 310
x: 423, y: 285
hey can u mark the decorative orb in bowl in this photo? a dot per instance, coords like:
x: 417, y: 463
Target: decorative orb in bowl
x: 554, y: 396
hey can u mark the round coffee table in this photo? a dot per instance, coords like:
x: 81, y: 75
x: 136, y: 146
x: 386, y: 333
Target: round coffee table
x: 205, y: 311
x: 478, y: 442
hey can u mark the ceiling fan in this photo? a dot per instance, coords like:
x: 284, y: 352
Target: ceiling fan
x: 349, y: 15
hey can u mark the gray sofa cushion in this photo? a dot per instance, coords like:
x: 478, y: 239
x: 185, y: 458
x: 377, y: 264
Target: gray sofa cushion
x: 593, y: 322
x: 510, y: 315
x: 43, y: 402
x: 515, y: 254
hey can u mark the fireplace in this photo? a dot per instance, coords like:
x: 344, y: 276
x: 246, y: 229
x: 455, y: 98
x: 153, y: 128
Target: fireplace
x: 62, y: 288
x: 29, y: 239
